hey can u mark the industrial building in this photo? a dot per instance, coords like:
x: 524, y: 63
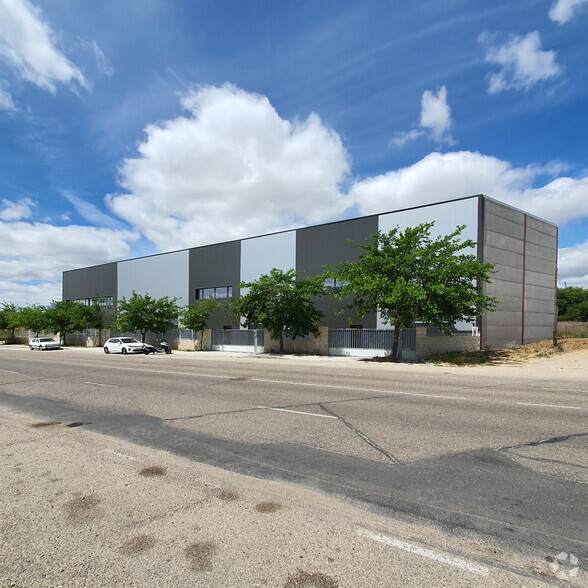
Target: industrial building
x: 522, y: 247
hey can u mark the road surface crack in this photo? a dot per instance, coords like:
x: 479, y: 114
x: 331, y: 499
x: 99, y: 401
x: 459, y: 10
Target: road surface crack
x: 361, y: 435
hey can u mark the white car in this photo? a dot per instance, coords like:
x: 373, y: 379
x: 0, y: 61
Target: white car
x: 123, y: 345
x: 43, y: 343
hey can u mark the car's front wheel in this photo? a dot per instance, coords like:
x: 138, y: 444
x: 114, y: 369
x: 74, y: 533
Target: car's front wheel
x: 106, y: 350
x: 31, y: 347
x: 41, y: 348
x: 124, y: 350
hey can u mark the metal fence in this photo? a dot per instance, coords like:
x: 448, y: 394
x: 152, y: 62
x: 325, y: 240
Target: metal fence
x: 371, y: 342
x: 247, y: 340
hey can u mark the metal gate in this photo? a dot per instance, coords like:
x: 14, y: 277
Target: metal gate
x: 371, y: 342
x: 246, y: 340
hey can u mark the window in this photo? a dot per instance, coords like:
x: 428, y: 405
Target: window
x: 218, y: 293
x: 102, y: 301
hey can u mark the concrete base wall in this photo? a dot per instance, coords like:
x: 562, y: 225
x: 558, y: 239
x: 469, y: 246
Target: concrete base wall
x: 425, y: 346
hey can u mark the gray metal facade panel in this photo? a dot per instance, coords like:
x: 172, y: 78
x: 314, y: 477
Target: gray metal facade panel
x: 215, y: 265
x: 89, y: 281
x: 327, y: 245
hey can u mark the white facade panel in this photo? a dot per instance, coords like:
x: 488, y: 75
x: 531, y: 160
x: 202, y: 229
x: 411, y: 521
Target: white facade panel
x: 261, y: 254
x: 446, y: 216
x: 158, y: 276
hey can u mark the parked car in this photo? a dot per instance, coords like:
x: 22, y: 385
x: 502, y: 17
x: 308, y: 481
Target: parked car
x: 124, y: 345
x: 42, y: 343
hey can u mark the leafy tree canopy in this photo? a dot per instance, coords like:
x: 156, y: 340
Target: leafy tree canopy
x: 68, y: 317
x: 196, y: 316
x: 282, y: 303
x: 144, y: 313
x: 33, y: 318
x: 409, y: 276
x: 9, y: 318
x: 572, y: 304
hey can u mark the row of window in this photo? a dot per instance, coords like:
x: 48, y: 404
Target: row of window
x: 218, y: 293
x: 102, y: 301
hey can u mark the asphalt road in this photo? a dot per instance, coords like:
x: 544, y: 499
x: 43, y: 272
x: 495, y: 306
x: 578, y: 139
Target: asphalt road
x: 472, y: 451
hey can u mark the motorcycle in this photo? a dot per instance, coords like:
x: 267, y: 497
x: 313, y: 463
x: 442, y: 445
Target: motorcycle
x: 163, y: 347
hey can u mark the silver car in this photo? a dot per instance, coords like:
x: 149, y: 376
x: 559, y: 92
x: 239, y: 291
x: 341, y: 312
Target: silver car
x: 43, y: 343
x: 123, y: 345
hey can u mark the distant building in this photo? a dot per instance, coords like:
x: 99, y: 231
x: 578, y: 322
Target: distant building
x: 521, y: 246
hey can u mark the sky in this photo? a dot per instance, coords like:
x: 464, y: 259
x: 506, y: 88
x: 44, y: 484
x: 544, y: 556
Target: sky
x: 129, y: 128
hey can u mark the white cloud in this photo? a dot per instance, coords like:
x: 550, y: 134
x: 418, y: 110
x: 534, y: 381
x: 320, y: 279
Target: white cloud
x: 6, y: 102
x: 230, y: 168
x: 90, y: 212
x: 443, y: 176
x: 563, y: 11
x: 101, y: 61
x: 435, y: 118
x: 403, y: 137
x: 573, y: 265
x: 522, y: 60
x: 436, y: 114
x: 28, y: 45
x: 40, y: 252
x: 11, y: 211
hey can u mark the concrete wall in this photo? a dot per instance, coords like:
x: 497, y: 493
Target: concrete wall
x: 524, y: 251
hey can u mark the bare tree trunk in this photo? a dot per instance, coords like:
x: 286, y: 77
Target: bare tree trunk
x: 395, y: 343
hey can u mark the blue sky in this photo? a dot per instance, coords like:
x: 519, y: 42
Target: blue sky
x: 129, y: 128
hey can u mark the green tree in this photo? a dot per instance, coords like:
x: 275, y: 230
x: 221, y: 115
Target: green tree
x: 408, y: 276
x: 282, y: 303
x: 572, y: 304
x: 9, y: 318
x: 144, y: 313
x: 66, y: 317
x: 196, y: 316
x: 33, y: 318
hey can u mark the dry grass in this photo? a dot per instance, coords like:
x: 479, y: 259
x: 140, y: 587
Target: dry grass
x: 513, y: 355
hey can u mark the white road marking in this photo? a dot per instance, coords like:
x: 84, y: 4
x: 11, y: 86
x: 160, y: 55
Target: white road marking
x: 120, y: 454
x: 9, y: 372
x: 322, y: 416
x: 457, y: 562
x: 551, y: 405
x: 98, y: 384
x: 354, y: 389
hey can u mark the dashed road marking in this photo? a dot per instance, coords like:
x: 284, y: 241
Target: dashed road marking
x: 550, y: 405
x: 104, y: 385
x: 8, y: 372
x: 437, y: 556
x: 322, y: 416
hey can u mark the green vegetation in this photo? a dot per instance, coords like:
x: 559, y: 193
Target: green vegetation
x: 281, y: 302
x: 408, y: 276
x: 9, y: 318
x: 572, y: 304
x: 143, y: 313
x: 196, y: 316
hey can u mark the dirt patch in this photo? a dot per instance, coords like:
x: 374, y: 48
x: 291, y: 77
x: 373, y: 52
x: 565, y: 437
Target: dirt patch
x: 268, y: 507
x: 513, y: 355
x: 200, y: 556
x: 44, y: 424
x: 225, y: 495
x: 153, y: 472
x: 137, y: 545
x: 310, y: 580
x: 82, y: 510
